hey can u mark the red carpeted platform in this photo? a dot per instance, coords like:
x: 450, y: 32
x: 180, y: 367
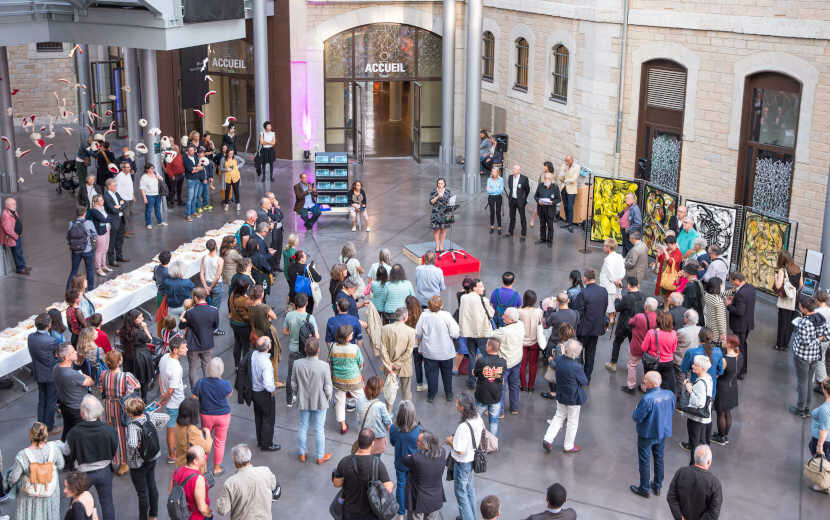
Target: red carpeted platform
x: 461, y: 265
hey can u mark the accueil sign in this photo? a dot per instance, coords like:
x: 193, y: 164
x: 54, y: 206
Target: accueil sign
x: 384, y: 68
x: 228, y: 63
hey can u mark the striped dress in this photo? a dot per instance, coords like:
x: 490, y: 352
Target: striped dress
x: 114, y: 386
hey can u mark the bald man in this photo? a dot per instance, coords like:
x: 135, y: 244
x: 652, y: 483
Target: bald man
x: 569, y: 177
x: 11, y: 233
x: 518, y: 188
x: 653, y: 417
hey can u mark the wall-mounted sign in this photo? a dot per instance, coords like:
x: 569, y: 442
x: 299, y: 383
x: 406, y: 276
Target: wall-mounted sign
x: 384, y: 68
x: 227, y: 63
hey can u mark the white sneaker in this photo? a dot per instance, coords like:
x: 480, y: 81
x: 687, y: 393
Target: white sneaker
x: 163, y: 224
x: 238, y: 207
x: 354, y: 228
x: 149, y: 227
x: 420, y: 388
x: 368, y: 229
x: 225, y: 207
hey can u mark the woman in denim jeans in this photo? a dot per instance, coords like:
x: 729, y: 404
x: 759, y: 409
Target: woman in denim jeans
x: 373, y: 414
x: 467, y: 436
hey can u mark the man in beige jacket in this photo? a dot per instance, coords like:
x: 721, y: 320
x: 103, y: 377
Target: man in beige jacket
x: 397, y: 341
x: 569, y: 177
x: 512, y: 337
x: 248, y: 493
x: 474, y: 315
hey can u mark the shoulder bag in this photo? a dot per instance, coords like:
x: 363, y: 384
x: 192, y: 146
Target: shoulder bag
x: 363, y: 425
x: 683, y: 403
x: 382, y: 503
x: 650, y: 361
x: 479, y: 458
x: 816, y: 473
x: 489, y: 318
x: 541, y: 341
x: 669, y: 277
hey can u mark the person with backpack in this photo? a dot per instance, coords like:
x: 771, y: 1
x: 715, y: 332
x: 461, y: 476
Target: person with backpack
x: 299, y: 326
x: 504, y: 297
x: 300, y: 274
x: 188, y: 497
x: 81, y: 237
x: 356, y: 474
x: 37, y: 498
x: 465, y: 444
x: 143, y: 452
x: 90, y: 448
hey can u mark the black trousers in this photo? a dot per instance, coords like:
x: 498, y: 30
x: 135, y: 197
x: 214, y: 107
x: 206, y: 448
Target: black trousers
x: 699, y: 433
x: 785, y: 328
x: 619, y: 337
x: 265, y: 413
x: 241, y: 342
x: 514, y: 207
x: 666, y: 370
x: 116, y: 247
x: 744, y: 359
x: 546, y: 216
x: 144, y: 482
x: 232, y: 186
x: 626, y: 242
x: 71, y: 417
x: 589, y: 352
x: 276, y: 245
x: 494, y: 202
x: 175, y: 187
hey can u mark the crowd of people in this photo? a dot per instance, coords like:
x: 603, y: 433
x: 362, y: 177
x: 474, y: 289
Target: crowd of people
x: 690, y: 336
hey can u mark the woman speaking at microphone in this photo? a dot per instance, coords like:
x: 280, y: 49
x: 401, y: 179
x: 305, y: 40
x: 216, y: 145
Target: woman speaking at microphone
x: 441, y: 212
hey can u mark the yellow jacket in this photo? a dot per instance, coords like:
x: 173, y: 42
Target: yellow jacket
x: 231, y: 171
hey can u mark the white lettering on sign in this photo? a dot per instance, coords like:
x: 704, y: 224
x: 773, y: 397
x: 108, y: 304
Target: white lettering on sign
x: 385, y: 68
x: 228, y: 63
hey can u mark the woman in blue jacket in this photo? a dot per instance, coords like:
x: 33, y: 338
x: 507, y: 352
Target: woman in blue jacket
x: 570, y: 396
x: 177, y: 288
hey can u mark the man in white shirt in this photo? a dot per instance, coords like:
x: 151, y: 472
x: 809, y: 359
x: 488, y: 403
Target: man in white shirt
x: 569, y: 178
x: 611, y: 274
x: 429, y: 279
x: 262, y: 385
x: 171, y: 388
x: 125, y: 188
x: 463, y: 452
x: 718, y: 266
x: 148, y: 185
x: 512, y: 338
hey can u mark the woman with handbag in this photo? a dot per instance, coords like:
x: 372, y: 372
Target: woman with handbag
x: 726, y: 390
x: 552, y: 353
x: 115, y: 384
x: 187, y: 432
x: 787, y: 285
x: 698, y: 405
x: 658, y: 350
x: 374, y: 413
x: 668, y: 264
x: 301, y: 267
x: 640, y: 325
x: 531, y: 315
x: 35, y: 474
x: 464, y: 444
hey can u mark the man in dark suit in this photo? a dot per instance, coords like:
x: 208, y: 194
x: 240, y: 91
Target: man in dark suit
x: 42, y: 348
x: 305, y: 201
x: 87, y: 191
x: 626, y: 307
x: 556, y: 497
x: 518, y: 188
x: 741, y: 307
x: 591, y: 305
x: 114, y: 205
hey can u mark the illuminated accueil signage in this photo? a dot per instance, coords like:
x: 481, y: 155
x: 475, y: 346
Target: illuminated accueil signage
x: 228, y: 63
x: 384, y: 68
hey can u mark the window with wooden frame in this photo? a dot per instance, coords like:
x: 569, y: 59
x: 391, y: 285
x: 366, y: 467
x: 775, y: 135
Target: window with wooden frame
x: 559, y: 70
x: 488, y: 55
x: 522, y: 64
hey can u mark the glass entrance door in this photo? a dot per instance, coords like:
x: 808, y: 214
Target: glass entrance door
x: 359, y: 127
x: 416, y: 121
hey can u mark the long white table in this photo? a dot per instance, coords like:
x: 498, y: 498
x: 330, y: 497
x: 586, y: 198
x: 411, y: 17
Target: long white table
x: 112, y: 298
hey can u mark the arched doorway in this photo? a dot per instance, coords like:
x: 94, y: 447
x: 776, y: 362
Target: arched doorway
x: 769, y: 133
x: 660, y: 122
x: 383, y: 91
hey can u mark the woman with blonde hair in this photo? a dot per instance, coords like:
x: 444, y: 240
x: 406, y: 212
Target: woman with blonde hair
x: 787, y: 284
x: 288, y: 251
x: 116, y: 384
x: 89, y: 354
x: 232, y: 176
x: 38, y: 498
x: 231, y: 258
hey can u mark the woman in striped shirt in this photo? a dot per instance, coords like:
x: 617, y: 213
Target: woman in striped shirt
x: 346, y: 366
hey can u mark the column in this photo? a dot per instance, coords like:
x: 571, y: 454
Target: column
x: 131, y: 80
x: 8, y: 166
x: 395, y: 101
x: 82, y: 77
x: 471, y: 118
x: 260, y: 64
x: 150, y: 104
x: 447, y: 153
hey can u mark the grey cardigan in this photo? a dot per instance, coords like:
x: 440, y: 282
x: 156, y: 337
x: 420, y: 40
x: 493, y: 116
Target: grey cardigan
x: 311, y: 382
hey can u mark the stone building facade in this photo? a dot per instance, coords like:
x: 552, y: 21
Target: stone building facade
x: 35, y: 73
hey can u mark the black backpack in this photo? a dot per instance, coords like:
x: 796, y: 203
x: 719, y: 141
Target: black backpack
x: 382, y: 503
x: 148, y: 446
x: 306, y: 332
x: 479, y: 458
x: 243, y: 384
x: 177, y: 508
x: 77, y: 237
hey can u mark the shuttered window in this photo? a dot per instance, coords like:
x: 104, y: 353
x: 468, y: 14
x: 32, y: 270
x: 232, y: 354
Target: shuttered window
x: 666, y: 89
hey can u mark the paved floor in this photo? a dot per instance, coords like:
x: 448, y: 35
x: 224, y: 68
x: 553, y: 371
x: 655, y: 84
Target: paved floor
x: 760, y: 469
